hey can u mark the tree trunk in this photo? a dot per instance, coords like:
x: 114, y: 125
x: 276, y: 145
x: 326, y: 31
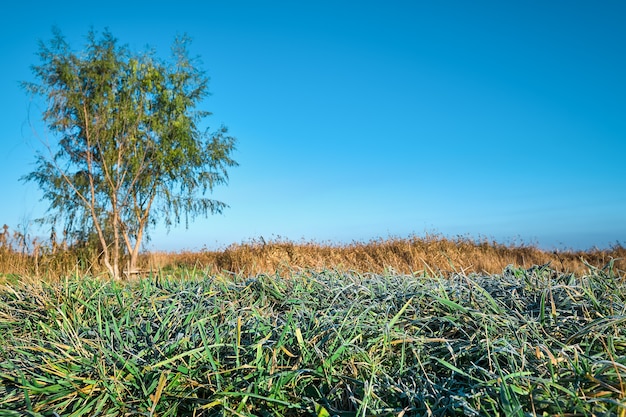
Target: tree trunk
x: 107, y: 262
x: 134, y: 251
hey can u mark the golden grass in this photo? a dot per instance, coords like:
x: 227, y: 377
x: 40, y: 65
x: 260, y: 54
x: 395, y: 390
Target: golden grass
x: 432, y: 255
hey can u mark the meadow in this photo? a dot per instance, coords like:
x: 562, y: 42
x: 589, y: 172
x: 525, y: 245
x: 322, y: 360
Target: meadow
x: 400, y: 327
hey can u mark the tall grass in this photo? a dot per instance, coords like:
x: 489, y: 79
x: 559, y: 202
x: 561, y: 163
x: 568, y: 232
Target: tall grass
x: 431, y: 254
x: 523, y: 342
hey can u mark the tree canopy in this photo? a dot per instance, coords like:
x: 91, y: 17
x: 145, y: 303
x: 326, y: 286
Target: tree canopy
x: 129, y: 148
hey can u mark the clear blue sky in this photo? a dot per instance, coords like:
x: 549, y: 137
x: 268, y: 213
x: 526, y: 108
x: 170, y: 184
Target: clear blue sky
x: 358, y: 120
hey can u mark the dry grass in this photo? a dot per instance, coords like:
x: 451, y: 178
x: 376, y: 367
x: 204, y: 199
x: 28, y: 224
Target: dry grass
x: 432, y: 255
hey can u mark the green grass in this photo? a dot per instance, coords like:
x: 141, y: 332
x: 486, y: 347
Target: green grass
x: 525, y: 342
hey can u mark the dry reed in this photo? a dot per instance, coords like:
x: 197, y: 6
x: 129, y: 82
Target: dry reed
x: 432, y: 255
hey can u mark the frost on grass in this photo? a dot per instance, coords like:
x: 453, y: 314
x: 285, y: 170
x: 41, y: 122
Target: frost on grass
x: 523, y: 342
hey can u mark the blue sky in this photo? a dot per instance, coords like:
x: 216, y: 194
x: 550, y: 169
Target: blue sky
x: 362, y: 120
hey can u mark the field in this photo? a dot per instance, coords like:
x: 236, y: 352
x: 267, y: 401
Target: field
x: 287, y: 335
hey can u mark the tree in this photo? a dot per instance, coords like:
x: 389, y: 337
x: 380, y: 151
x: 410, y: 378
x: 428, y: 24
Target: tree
x: 129, y: 147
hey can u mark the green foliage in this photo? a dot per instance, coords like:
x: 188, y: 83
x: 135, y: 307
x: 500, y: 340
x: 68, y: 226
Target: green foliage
x: 131, y: 148
x: 329, y: 343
